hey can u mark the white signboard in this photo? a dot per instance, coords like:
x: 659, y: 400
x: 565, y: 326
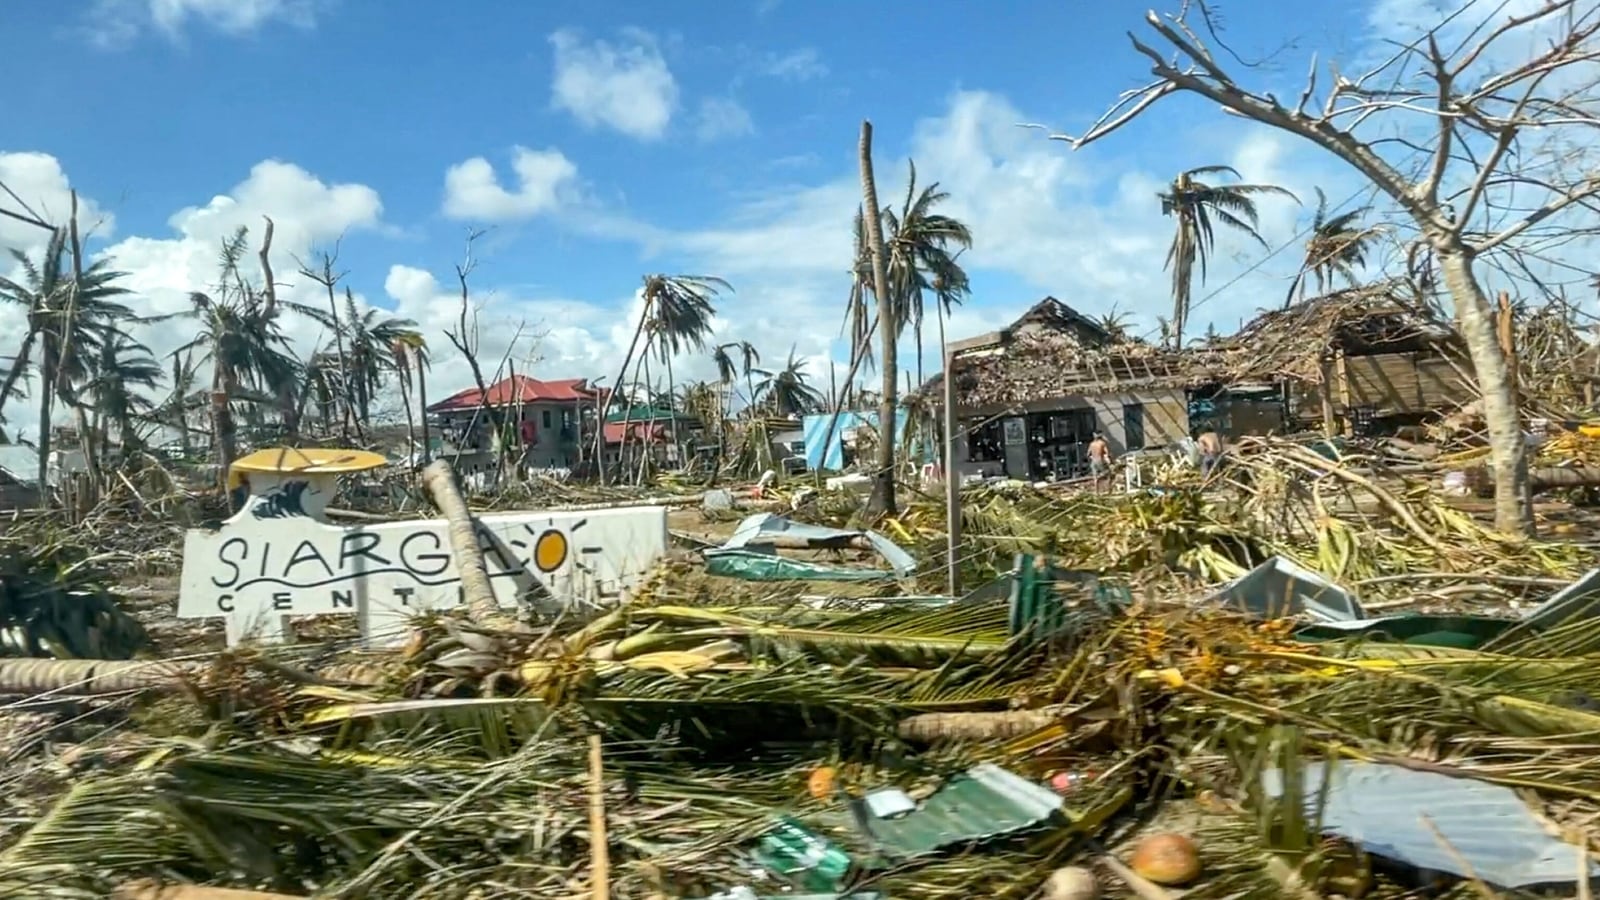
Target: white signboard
x: 273, y: 560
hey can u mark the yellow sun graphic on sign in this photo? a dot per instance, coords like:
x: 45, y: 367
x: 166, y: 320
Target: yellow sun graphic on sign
x: 550, y: 550
x: 551, y: 546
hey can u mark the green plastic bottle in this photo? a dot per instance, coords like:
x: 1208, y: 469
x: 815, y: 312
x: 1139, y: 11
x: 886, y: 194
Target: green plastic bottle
x: 807, y: 859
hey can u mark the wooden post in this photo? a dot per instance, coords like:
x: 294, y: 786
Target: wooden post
x: 599, y: 848
x: 1330, y: 424
x: 1342, y: 375
x: 952, y: 481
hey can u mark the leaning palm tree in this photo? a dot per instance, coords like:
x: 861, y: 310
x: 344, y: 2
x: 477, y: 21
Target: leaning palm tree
x: 784, y: 391
x: 923, y: 248
x: 368, y: 342
x: 241, y: 336
x: 728, y: 370
x: 120, y: 373
x: 678, y: 310
x: 408, y: 356
x: 1198, y: 208
x: 1337, y: 247
x: 67, y: 312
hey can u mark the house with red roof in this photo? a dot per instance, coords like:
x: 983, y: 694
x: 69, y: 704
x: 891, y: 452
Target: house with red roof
x: 550, y: 420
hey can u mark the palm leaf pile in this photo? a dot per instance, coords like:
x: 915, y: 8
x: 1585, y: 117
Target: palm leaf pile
x: 1350, y: 518
x: 456, y: 769
x: 53, y: 603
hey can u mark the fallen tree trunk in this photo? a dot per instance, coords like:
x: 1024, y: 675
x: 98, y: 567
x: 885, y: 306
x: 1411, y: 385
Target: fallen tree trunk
x: 1546, y: 477
x: 90, y: 677
x: 96, y: 677
x: 440, y: 481
x: 1541, y: 478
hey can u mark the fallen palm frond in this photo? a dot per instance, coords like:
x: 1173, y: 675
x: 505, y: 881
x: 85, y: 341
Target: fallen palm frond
x: 1341, y: 515
x: 54, y: 603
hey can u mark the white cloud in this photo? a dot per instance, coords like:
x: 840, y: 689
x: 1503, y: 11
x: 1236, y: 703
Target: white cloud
x: 804, y: 64
x: 116, y: 23
x: 162, y: 271
x: 1086, y: 228
x: 472, y: 190
x: 44, y: 193
x: 540, y: 336
x: 625, y: 86
x: 722, y: 117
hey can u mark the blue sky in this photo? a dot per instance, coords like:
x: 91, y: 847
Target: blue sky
x: 604, y: 141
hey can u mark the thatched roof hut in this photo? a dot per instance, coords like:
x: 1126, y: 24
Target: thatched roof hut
x: 1051, y: 351
x: 1296, y: 342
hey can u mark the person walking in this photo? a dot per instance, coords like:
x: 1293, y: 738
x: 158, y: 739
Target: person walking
x: 1210, y: 445
x: 1099, y: 461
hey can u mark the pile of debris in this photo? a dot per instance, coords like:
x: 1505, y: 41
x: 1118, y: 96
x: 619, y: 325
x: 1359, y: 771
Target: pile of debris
x: 1221, y: 696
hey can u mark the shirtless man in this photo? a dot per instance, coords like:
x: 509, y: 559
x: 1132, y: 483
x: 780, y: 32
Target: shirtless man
x: 1210, y: 445
x: 1099, y: 460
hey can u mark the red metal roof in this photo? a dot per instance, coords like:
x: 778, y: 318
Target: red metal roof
x: 518, y: 389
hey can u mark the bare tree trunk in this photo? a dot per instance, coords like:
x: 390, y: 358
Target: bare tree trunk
x: 1513, y: 512
x: 345, y: 411
x: 616, y: 388
x: 68, y: 329
x: 672, y: 407
x: 883, y: 492
x: 405, y: 399
x: 477, y: 592
x: 857, y: 356
x: 47, y: 380
x: 88, y: 677
x: 422, y: 406
x: 86, y: 442
x: 467, y: 343
x: 269, y: 288
x: 916, y: 330
x: 223, y: 386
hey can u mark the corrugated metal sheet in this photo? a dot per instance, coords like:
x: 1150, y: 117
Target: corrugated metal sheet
x: 985, y: 802
x: 1468, y: 828
x: 21, y: 462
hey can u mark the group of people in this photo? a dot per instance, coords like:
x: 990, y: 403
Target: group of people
x: 1209, y: 444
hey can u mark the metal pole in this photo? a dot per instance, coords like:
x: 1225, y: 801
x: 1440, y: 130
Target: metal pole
x: 952, y: 481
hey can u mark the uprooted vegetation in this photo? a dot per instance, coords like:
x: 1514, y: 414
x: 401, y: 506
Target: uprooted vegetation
x: 458, y: 767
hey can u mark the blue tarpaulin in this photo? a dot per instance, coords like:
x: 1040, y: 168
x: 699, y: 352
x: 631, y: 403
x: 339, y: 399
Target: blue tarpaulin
x: 816, y: 429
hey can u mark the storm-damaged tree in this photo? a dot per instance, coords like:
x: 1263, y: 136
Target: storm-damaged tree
x: 1338, y: 245
x: 728, y: 371
x: 465, y: 338
x: 69, y: 308
x: 1503, y: 100
x: 241, y: 337
x: 1197, y: 207
x: 786, y: 391
x: 325, y: 275
x: 878, y: 257
x: 678, y: 310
